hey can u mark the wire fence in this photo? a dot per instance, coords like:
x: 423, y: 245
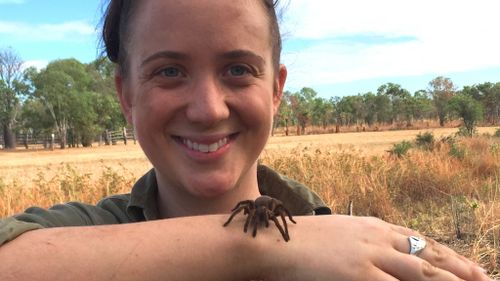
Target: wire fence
x: 29, y: 140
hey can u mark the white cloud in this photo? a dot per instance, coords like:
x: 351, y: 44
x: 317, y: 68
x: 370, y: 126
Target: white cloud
x: 72, y: 31
x: 38, y: 64
x: 449, y: 36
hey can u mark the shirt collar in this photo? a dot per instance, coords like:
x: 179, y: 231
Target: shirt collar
x: 297, y: 198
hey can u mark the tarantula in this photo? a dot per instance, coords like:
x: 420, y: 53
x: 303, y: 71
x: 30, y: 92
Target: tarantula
x: 260, y: 211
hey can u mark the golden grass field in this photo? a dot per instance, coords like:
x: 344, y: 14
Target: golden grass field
x: 452, y: 190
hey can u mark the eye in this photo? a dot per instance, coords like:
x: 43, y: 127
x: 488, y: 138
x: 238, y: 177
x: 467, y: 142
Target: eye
x: 238, y: 70
x: 170, y: 72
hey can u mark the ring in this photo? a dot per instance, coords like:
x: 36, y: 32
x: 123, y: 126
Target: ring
x: 416, y: 245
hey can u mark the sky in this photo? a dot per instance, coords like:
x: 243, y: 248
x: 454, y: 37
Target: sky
x: 338, y: 48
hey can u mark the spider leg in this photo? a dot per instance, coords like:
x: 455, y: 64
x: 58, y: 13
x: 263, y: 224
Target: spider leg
x: 255, y: 223
x: 285, y: 235
x: 284, y: 224
x: 269, y: 215
x: 250, y: 218
x: 246, y: 202
x: 287, y: 213
x: 235, y: 212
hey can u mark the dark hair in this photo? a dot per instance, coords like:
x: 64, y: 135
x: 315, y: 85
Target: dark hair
x: 118, y: 15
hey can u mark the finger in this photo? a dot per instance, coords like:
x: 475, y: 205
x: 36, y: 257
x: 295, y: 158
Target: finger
x: 408, y: 267
x: 444, y: 258
x: 378, y: 275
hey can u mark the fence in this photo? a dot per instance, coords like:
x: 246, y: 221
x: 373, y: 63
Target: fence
x: 31, y: 141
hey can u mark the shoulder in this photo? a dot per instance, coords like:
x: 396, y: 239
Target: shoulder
x: 298, y: 198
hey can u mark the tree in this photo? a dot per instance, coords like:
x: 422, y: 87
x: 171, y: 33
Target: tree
x: 11, y: 88
x: 467, y: 108
x: 60, y: 87
x: 442, y: 90
x: 284, y: 115
x: 301, y: 104
x: 401, y: 102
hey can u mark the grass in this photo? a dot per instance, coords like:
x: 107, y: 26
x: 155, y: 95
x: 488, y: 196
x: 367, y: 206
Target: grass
x: 455, y: 200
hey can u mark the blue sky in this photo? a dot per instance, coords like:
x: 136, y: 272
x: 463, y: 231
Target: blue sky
x: 336, y: 47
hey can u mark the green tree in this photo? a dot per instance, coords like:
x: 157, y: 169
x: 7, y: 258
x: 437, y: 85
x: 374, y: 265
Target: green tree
x: 61, y: 87
x: 468, y: 109
x: 284, y: 115
x: 423, y: 107
x: 11, y: 89
x: 442, y: 90
x: 401, y: 102
x: 301, y: 104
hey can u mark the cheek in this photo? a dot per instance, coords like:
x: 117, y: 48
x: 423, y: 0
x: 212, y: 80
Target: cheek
x: 257, y: 109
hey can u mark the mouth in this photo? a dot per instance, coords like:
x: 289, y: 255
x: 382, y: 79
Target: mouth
x: 207, y: 145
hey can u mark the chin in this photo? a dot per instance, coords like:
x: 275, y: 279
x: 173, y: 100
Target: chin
x: 211, y: 189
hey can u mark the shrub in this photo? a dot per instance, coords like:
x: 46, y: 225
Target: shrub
x: 497, y: 133
x: 400, y: 149
x: 425, y: 141
x: 457, y: 151
x: 466, y: 132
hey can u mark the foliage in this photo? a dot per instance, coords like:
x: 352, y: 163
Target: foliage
x: 457, y: 151
x: 78, y: 100
x: 11, y: 89
x: 469, y: 110
x: 497, y: 133
x: 400, y: 149
x: 425, y: 141
x: 442, y: 90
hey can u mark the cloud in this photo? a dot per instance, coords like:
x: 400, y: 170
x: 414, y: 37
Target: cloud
x: 67, y: 31
x: 443, y: 36
x: 38, y: 64
x: 4, y: 2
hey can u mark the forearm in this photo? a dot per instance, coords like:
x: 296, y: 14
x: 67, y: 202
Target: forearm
x: 192, y: 248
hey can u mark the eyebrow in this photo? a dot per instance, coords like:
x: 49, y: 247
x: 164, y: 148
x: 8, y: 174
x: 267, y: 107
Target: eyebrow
x: 164, y: 54
x: 237, y: 54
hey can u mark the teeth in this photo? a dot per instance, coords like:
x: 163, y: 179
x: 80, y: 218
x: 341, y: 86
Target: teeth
x: 205, y: 148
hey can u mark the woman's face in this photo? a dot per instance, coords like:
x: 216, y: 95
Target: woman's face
x: 201, y: 90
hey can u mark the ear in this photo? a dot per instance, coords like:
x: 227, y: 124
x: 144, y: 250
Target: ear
x: 124, y: 97
x: 280, y: 85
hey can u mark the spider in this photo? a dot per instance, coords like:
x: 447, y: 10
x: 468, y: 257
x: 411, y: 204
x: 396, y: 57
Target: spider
x: 260, y: 211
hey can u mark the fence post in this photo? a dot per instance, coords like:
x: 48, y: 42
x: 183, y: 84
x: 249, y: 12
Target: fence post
x: 25, y: 141
x: 52, y: 138
x: 124, y: 131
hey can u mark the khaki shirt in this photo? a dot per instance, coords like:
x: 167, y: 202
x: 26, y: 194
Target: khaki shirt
x: 141, y: 205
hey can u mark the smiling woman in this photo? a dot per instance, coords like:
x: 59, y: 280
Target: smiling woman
x: 200, y: 81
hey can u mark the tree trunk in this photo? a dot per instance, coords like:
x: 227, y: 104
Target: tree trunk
x: 9, y: 137
x: 63, y: 137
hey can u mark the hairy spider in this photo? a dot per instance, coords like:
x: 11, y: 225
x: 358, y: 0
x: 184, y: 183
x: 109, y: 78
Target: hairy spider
x: 260, y: 211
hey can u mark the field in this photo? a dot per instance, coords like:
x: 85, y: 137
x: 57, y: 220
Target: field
x: 449, y: 191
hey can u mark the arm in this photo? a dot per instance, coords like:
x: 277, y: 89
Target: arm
x: 199, y: 248
x: 191, y: 248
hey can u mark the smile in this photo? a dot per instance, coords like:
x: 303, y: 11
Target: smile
x: 205, y: 148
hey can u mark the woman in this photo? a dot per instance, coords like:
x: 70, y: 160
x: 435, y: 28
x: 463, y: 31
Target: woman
x: 200, y: 81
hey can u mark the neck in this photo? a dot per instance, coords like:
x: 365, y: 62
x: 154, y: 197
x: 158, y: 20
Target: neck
x: 176, y: 201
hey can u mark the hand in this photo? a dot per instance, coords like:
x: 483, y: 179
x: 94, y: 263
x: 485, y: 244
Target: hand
x: 362, y: 248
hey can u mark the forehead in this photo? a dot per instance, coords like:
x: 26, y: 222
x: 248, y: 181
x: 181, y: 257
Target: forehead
x: 174, y: 24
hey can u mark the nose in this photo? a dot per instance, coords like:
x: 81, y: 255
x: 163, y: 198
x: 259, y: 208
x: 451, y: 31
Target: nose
x: 207, y: 104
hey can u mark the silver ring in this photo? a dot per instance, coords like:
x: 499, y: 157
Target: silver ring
x: 416, y: 245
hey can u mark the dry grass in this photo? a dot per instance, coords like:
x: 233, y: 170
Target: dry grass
x: 452, y: 190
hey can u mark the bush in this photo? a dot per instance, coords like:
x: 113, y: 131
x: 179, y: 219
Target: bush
x: 425, y: 141
x: 457, y: 151
x: 400, y: 149
x: 466, y: 132
x: 497, y: 133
